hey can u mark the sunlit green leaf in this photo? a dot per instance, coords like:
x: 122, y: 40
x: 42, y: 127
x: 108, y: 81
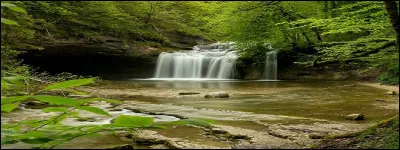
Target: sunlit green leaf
x: 7, y: 5
x: 8, y: 131
x: 70, y: 83
x: 55, y: 109
x: 18, y: 80
x: 5, y: 85
x: 57, y: 100
x: 94, y: 110
x: 17, y: 9
x: 6, y: 100
x: 34, y: 134
x: 8, y: 21
x: 9, y: 107
x: 13, y: 7
x: 132, y: 121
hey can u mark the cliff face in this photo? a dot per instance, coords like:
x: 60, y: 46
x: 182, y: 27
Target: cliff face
x: 106, y: 56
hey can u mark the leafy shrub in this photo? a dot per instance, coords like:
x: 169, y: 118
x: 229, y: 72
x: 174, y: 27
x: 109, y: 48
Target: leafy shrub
x: 391, y: 76
x: 65, y: 106
x: 255, y: 51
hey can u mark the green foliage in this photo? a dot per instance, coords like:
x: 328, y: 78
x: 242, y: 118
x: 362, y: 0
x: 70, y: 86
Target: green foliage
x: 132, y: 121
x: 391, y: 76
x: 8, y: 21
x: 8, y: 131
x: 255, y: 50
x: 55, y: 109
x: 69, y: 83
x: 17, y: 80
x: 57, y: 100
x: 13, y: 7
x: 9, y: 107
x: 7, y: 100
x: 94, y: 110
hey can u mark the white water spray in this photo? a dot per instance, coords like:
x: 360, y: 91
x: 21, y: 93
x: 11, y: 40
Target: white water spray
x: 214, y: 61
x: 271, y: 66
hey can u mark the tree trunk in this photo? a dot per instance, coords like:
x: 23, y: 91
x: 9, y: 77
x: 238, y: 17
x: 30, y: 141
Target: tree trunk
x: 393, y: 14
x: 333, y: 4
x: 325, y: 10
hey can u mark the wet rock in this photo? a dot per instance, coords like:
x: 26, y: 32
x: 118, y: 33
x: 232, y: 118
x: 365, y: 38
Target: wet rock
x: 390, y: 93
x: 315, y: 136
x: 220, y: 94
x: 350, y: 85
x: 127, y: 146
x: 188, y: 93
x: 86, y: 119
x: 81, y: 96
x: 355, y: 117
x: 144, y: 142
x: 239, y: 137
x: 253, y: 146
x: 218, y: 131
x: 35, y: 104
x: 116, y: 109
x: 158, y: 146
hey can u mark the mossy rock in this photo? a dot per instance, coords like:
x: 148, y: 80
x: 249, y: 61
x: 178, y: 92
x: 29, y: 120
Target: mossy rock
x: 355, y: 117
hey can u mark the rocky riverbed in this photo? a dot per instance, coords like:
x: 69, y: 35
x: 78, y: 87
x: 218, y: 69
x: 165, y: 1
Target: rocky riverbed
x: 271, y: 121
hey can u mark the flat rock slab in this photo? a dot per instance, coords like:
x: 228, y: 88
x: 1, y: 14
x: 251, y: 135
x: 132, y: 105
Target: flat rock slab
x: 355, y: 117
x: 220, y: 94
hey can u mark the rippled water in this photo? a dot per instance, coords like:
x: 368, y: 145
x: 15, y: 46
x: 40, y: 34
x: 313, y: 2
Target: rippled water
x: 315, y: 99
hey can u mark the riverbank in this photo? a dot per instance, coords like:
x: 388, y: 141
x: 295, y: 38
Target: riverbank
x: 258, y: 114
x: 382, y: 86
x: 384, y: 135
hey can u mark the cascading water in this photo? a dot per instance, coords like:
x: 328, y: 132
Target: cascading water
x: 271, y: 66
x: 214, y: 61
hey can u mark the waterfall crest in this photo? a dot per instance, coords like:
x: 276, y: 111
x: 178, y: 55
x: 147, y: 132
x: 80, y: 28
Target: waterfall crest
x: 271, y: 66
x: 214, y: 61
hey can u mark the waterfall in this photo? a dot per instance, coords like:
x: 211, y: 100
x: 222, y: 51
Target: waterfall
x: 214, y: 61
x: 271, y: 66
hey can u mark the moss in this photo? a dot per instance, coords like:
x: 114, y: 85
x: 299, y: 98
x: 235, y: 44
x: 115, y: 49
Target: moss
x: 385, y: 135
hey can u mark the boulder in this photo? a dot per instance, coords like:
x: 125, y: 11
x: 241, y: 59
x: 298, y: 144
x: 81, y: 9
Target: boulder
x: 390, y: 93
x: 355, y: 117
x: 35, y: 104
x: 350, y: 85
x: 220, y: 94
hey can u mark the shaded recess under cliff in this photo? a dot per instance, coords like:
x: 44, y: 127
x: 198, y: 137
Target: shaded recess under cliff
x: 106, y: 56
x: 89, y: 62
